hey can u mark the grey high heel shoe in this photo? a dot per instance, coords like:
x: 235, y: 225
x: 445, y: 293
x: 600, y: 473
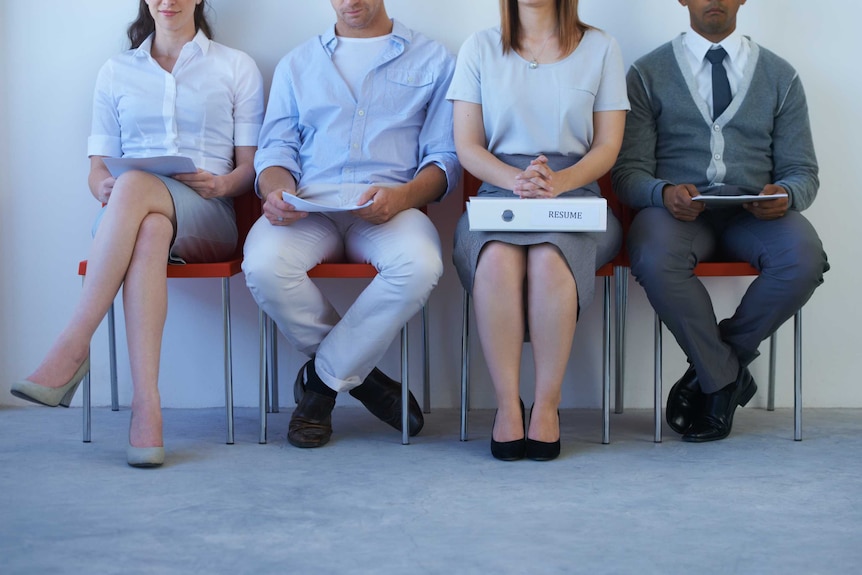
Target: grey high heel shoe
x: 145, y: 456
x: 51, y: 396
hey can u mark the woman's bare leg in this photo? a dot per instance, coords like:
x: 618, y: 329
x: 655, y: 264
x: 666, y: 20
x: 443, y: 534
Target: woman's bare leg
x: 498, y: 296
x: 552, y: 309
x: 145, y: 301
x: 135, y: 196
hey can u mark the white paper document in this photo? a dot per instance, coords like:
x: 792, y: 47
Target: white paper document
x: 735, y: 200
x: 161, y: 165
x: 309, y: 206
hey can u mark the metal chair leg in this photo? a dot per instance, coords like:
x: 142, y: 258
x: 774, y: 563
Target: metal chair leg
x: 86, y: 398
x: 621, y: 278
x: 263, y: 395
x: 657, y: 380
x: 112, y: 352
x: 465, y: 364
x: 405, y: 389
x: 228, y: 360
x: 606, y: 363
x: 426, y: 365
x: 797, y: 376
x: 272, y: 362
x: 770, y: 395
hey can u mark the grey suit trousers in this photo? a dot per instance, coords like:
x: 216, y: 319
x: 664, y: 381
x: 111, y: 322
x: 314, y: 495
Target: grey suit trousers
x: 664, y: 251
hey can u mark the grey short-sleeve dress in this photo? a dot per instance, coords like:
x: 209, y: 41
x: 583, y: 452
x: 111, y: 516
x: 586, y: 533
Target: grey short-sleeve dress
x: 546, y: 110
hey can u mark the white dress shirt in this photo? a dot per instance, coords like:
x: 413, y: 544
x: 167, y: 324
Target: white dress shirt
x: 210, y: 103
x: 738, y: 50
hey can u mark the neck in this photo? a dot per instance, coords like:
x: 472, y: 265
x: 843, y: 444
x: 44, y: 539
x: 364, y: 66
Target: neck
x: 170, y: 42
x: 380, y: 27
x: 537, y: 22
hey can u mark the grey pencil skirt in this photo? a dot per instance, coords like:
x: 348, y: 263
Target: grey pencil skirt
x: 584, y: 252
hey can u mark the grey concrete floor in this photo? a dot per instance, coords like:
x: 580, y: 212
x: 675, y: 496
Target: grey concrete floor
x: 757, y: 502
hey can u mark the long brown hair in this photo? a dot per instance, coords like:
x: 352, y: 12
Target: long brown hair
x: 570, y: 29
x: 144, y: 25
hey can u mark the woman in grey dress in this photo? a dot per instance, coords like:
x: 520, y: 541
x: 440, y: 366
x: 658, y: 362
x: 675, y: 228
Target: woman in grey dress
x: 540, y: 105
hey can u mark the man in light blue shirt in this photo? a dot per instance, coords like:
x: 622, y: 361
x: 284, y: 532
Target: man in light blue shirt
x: 355, y: 115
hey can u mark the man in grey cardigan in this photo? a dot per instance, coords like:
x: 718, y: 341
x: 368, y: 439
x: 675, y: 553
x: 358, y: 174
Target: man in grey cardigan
x: 741, y: 128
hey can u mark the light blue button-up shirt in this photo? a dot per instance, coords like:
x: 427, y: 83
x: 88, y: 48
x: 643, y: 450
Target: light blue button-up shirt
x: 398, y: 123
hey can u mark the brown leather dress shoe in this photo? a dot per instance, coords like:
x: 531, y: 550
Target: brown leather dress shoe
x: 311, y: 422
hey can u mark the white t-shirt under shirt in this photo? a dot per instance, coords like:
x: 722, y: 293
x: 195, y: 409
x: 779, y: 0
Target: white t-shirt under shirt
x: 548, y: 109
x: 354, y: 58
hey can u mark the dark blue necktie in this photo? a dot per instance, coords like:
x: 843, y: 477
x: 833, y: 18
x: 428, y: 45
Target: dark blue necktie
x: 720, y: 85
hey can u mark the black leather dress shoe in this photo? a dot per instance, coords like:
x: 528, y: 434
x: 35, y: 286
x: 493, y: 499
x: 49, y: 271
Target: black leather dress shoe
x: 311, y: 422
x: 381, y: 395
x: 684, y: 401
x: 716, y: 419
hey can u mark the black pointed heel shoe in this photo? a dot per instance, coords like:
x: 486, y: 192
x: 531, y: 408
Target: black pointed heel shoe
x: 542, y: 450
x: 509, y: 450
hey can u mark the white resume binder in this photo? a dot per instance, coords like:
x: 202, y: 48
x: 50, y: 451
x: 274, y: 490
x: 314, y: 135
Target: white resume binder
x: 529, y: 215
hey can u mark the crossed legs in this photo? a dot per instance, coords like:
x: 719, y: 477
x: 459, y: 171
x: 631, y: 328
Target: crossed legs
x: 131, y: 249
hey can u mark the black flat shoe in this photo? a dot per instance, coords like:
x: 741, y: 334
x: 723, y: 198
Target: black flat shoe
x: 716, y: 419
x: 684, y: 402
x: 542, y: 450
x: 509, y: 450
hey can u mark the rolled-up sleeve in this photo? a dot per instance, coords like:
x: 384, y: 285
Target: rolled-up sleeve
x: 279, y: 141
x: 105, y: 137
x: 437, y: 140
x: 248, y: 102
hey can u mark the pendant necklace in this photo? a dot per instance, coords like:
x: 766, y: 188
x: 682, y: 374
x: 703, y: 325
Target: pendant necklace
x: 534, y: 63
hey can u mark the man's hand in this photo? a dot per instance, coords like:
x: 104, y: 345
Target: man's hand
x: 389, y: 201
x: 677, y: 200
x: 770, y: 209
x: 279, y: 212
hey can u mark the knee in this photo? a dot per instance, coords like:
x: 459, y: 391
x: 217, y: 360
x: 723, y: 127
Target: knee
x: 127, y: 187
x: 268, y: 267
x: 803, y: 265
x: 417, y: 271
x: 155, y: 234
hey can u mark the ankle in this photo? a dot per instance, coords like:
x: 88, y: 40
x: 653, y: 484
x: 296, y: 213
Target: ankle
x: 315, y: 384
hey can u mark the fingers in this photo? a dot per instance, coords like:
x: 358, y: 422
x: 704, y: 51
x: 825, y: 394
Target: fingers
x: 279, y: 212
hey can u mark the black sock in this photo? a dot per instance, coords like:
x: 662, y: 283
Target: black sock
x: 315, y: 384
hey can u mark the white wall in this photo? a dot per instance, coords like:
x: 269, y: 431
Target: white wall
x: 48, y: 65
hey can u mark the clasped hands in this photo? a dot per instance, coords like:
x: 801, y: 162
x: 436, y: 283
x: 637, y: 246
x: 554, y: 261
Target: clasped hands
x: 537, y: 181
x: 678, y: 201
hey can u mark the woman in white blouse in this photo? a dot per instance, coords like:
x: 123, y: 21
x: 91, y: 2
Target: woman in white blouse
x: 539, y: 106
x: 175, y: 92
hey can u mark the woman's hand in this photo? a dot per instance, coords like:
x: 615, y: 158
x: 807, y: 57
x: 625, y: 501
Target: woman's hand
x: 104, y: 189
x: 204, y: 183
x: 537, y: 181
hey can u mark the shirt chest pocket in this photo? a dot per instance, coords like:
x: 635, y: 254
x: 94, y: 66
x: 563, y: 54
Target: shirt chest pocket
x: 407, y: 91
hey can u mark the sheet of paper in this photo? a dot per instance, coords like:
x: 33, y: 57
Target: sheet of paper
x: 161, y: 165
x: 308, y: 206
x: 735, y: 200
